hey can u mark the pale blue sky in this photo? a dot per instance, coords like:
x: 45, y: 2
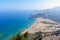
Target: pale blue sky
x: 28, y: 4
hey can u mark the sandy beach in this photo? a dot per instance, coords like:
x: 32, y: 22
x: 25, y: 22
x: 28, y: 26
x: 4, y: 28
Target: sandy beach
x: 43, y: 25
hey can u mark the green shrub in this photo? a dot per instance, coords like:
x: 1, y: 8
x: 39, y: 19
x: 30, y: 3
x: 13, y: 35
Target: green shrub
x: 20, y: 36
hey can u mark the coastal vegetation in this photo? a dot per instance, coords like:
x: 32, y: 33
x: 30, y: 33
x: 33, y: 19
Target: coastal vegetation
x: 20, y: 36
x: 37, y: 36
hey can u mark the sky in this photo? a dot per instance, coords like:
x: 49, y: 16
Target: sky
x: 28, y: 4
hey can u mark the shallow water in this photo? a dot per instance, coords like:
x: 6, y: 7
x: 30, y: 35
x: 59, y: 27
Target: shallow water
x: 11, y: 22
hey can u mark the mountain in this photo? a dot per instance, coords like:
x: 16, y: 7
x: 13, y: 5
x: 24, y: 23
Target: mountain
x: 53, y: 14
x: 57, y: 8
x: 45, y: 27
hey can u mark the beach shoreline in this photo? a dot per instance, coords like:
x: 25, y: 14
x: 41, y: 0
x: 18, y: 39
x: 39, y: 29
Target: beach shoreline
x: 39, y: 26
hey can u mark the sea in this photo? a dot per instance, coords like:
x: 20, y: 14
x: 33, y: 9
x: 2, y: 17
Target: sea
x: 11, y: 22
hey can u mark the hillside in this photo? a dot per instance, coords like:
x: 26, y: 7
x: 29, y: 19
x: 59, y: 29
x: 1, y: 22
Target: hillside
x: 45, y: 27
x: 41, y: 29
x: 53, y: 14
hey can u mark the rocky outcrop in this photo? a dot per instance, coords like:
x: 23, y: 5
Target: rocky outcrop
x: 43, y: 28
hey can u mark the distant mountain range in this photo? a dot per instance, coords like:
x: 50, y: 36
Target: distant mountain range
x: 53, y: 14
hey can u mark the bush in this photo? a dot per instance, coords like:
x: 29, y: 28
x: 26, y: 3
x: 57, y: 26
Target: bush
x: 20, y: 36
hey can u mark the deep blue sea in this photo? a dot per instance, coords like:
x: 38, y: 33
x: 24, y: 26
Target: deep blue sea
x: 13, y: 21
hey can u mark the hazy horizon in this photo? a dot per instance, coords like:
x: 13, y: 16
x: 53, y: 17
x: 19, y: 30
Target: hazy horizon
x: 28, y: 4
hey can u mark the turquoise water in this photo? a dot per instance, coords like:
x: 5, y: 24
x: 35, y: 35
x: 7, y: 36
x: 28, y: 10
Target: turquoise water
x: 11, y: 22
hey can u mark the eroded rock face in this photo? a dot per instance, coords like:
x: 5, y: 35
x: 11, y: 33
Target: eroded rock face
x: 44, y: 36
x: 51, y: 38
x: 35, y: 36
